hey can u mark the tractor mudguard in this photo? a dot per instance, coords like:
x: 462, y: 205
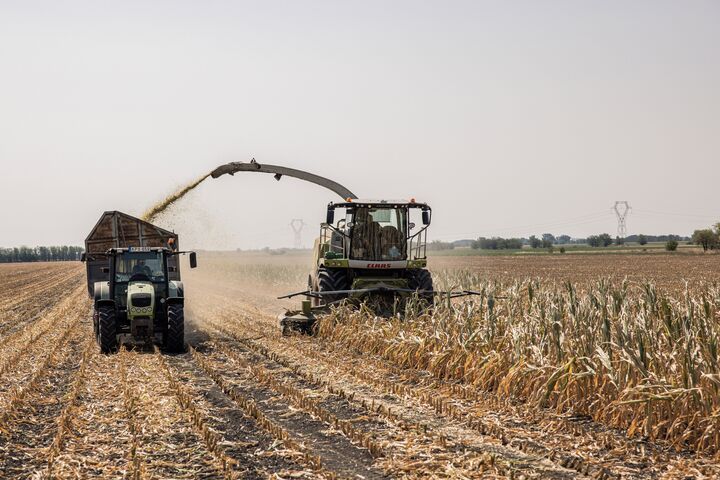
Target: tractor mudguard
x: 101, y: 293
x: 176, y: 293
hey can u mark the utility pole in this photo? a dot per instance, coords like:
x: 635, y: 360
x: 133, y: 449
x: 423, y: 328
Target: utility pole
x: 622, y: 208
x: 297, y: 225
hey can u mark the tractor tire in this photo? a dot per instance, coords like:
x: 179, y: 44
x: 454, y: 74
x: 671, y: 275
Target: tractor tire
x: 422, y: 280
x: 106, y: 335
x: 330, y: 280
x: 175, y: 336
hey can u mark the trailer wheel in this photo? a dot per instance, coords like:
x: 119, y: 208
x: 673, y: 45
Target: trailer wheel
x: 422, y: 280
x: 330, y: 280
x: 106, y: 329
x: 175, y: 336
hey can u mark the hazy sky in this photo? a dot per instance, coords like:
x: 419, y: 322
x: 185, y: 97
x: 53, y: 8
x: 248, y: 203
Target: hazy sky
x: 510, y: 118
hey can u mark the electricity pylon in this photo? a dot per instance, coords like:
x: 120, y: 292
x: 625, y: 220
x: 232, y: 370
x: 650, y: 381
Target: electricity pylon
x: 622, y: 208
x: 297, y: 225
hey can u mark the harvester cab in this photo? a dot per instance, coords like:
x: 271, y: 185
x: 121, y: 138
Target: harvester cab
x: 139, y: 299
x: 371, y: 245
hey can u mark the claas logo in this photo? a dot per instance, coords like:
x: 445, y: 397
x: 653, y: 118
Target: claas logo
x: 378, y: 265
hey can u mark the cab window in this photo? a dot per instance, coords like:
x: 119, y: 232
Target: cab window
x: 149, y: 264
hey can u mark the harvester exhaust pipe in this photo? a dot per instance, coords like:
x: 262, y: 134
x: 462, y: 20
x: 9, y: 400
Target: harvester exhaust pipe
x: 279, y: 172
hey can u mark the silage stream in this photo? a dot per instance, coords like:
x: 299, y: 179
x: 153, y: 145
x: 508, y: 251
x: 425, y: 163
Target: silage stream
x: 168, y: 201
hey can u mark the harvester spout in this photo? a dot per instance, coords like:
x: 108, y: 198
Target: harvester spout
x: 279, y: 172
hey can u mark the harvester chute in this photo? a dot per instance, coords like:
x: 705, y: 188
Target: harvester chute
x: 253, y: 166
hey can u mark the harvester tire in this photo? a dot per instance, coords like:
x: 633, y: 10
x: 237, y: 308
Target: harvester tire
x: 175, y: 336
x: 422, y: 280
x: 106, y: 329
x: 330, y: 280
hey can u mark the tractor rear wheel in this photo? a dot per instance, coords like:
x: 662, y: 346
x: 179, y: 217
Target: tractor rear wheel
x: 330, y: 280
x: 106, y: 329
x: 422, y: 280
x: 175, y: 335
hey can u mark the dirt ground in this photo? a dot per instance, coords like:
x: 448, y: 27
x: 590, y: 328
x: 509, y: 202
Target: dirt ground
x: 245, y: 402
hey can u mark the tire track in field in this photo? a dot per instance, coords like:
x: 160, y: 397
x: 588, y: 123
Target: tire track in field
x: 453, y: 452
x: 257, y: 446
x: 305, y: 423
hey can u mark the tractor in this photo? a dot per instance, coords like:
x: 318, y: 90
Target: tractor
x: 133, y: 277
x: 139, y: 299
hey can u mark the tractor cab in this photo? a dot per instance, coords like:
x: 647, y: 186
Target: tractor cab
x: 137, y: 268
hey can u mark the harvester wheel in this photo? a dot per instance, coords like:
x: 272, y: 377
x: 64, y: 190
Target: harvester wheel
x: 106, y: 329
x: 422, y: 280
x: 330, y: 280
x: 175, y: 336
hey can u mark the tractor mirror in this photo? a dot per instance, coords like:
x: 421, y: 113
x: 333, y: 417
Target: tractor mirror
x: 193, y: 260
x: 426, y: 217
x: 330, y: 216
x: 83, y: 257
x: 105, y: 269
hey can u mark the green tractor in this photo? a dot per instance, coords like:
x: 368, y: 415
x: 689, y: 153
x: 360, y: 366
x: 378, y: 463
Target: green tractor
x: 139, y: 299
x: 133, y: 277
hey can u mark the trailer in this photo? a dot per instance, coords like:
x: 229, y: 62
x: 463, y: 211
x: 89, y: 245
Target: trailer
x: 120, y: 230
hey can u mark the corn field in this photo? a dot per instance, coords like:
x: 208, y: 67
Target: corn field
x: 558, y: 369
x: 629, y: 355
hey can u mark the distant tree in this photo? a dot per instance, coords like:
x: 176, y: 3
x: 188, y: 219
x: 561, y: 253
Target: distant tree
x: 642, y: 239
x: 619, y: 241
x: 548, y: 239
x: 706, y: 238
x: 39, y: 254
x: 513, y: 243
x: 497, y: 243
x: 437, y: 245
x: 671, y: 245
x: 563, y: 239
x: 535, y: 242
x: 594, y: 241
x: 605, y: 239
x: 562, y: 249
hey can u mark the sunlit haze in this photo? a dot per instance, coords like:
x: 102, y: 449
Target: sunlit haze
x: 509, y: 118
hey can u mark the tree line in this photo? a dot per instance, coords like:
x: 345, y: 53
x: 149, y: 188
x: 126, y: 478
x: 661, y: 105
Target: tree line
x: 548, y: 240
x: 707, y: 238
x: 62, y: 253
